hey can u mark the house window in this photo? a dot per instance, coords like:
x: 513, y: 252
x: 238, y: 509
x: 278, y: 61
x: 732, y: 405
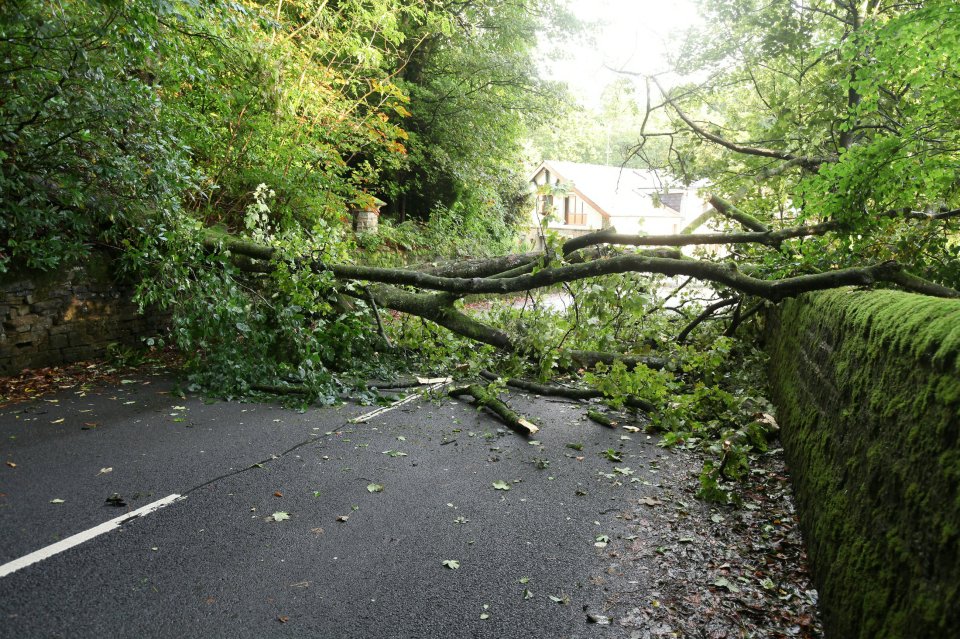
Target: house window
x: 571, y: 215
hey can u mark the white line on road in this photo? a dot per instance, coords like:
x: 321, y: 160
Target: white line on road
x: 397, y: 404
x: 79, y: 538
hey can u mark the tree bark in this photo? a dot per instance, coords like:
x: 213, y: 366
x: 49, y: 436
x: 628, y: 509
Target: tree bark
x: 487, y: 400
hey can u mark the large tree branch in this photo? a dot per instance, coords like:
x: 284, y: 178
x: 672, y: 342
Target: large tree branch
x: 769, y: 238
x: 727, y: 274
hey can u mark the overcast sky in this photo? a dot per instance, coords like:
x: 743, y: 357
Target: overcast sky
x: 632, y: 35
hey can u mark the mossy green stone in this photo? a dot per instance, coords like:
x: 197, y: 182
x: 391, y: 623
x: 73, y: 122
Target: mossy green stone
x: 867, y: 387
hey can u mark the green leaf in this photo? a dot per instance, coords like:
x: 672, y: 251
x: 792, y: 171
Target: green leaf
x: 394, y: 453
x: 57, y: 501
x: 612, y: 455
x: 280, y: 516
x: 501, y: 485
x: 723, y: 582
x: 374, y: 488
x: 452, y: 564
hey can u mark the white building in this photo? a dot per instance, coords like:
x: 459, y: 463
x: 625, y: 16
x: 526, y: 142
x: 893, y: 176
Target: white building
x: 575, y: 199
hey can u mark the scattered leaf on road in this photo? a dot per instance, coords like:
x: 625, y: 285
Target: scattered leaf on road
x: 651, y: 501
x: 374, y: 488
x: 527, y: 594
x: 612, y: 455
x: 57, y: 501
x: 343, y: 518
x: 452, y: 564
x: 394, y: 453
x: 11, y: 465
x: 280, y: 516
x: 501, y: 485
x: 104, y: 471
x: 116, y: 500
x: 600, y: 620
x: 723, y: 582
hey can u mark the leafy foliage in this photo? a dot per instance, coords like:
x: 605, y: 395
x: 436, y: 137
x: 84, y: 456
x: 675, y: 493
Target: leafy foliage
x: 87, y: 150
x: 147, y: 126
x: 839, y: 112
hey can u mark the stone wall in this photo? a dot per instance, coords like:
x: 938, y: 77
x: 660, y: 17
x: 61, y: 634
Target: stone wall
x: 54, y: 318
x: 867, y: 389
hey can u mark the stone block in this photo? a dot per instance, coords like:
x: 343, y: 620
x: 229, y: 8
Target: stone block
x: 20, y: 339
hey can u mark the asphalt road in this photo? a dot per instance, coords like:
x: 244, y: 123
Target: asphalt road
x: 347, y: 562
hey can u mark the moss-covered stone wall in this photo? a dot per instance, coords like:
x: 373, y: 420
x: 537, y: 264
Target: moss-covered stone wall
x: 67, y: 316
x: 867, y: 389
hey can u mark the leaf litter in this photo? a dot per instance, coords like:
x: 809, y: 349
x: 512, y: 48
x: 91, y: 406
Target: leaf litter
x: 690, y: 569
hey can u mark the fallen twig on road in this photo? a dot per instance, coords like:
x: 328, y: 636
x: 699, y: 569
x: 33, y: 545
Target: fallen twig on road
x: 486, y: 399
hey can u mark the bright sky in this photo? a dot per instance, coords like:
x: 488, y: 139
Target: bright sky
x: 633, y: 35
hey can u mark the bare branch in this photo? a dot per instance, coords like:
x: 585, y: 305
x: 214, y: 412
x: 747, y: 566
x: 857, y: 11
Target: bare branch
x: 811, y: 163
x: 707, y: 312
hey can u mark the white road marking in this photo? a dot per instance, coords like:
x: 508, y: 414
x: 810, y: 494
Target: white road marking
x: 79, y: 538
x: 397, y: 404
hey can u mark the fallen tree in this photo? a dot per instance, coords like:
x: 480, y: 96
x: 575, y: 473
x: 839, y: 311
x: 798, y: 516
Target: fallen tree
x: 437, y: 289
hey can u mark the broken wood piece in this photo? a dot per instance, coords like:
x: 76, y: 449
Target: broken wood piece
x: 406, y: 382
x: 601, y: 419
x: 486, y: 399
x: 567, y: 392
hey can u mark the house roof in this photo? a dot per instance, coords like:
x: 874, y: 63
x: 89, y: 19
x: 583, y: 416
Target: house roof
x: 612, y: 190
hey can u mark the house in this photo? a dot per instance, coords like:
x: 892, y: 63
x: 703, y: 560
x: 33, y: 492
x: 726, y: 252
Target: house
x: 574, y: 199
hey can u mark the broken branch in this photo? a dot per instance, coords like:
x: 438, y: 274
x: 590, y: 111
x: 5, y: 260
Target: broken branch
x: 486, y: 399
